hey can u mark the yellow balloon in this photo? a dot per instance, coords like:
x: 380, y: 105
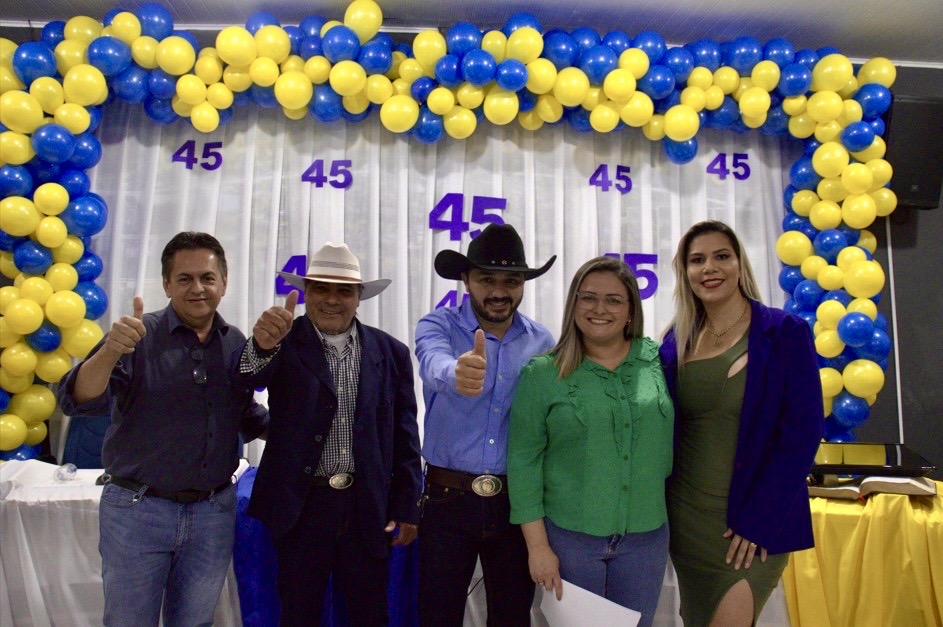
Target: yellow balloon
x: 69, y: 53
x: 399, y: 113
x: 793, y: 247
x: 470, y: 96
x: 681, y: 122
x: 23, y: 316
x: 398, y: 58
x: 84, y: 85
x: 754, y: 102
x: 9, y: 80
x: 237, y: 79
x: 440, y: 100
x: 82, y: 28
x: 328, y: 25
x: 70, y: 252
x: 401, y: 87
x: 47, y: 91
x: 828, y: 131
x: 263, y: 72
x: 295, y: 114
x: 858, y: 210
x: 144, y: 52
x: 525, y: 44
x: 495, y: 42
x: 19, y: 216
x: 14, y: 384
x: 8, y: 294
x: 411, y: 69
x: 62, y: 276
x: 219, y: 96
x: 801, y: 126
x: 754, y: 121
x: 204, y: 117
x: 824, y: 106
x: 20, y: 112
x: 881, y: 173
x: 364, y: 17
x: 294, y: 90
x: 272, y: 41
x: 830, y: 159
x: 636, y: 61
x: 829, y: 313
x: 828, y: 344
x: 459, y: 123
x: 831, y: 380
x: 428, y: 47
x: 65, y: 309
x: 803, y: 200
x: 356, y: 103
x: 81, y: 338
x: 571, y: 86
x: 851, y: 112
x: 619, y: 85
x: 175, y: 55
x: 180, y: 107
x: 875, y: 151
x: 12, y: 432
x: 548, y: 108
x: 713, y: 97
x: 867, y: 240
x: 825, y: 214
x: 15, y: 148
x: 849, y: 255
x: 54, y: 365
x: 501, y: 106
x: 878, y: 70
x: 654, y: 129
x: 19, y: 359
x: 209, y: 69
x: 347, y: 78
x: 36, y: 433
x: 831, y: 278
x: 51, y: 232
x: 126, y: 26
x: 529, y: 120
x: 745, y: 83
x: 795, y: 105
x: 863, y: 377
x: 379, y: 88
x: 7, y: 50
x: 827, y: 404
x: 604, y: 117
x: 7, y: 265
x: 857, y: 178
x: 36, y: 289
x: 236, y: 46
x: 765, y: 74
x: 191, y: 89
x: 694, y: 97
x: 541, y: 75
x: 865, y: 306
x: 885, y: 201
x: 72, y: 116
x: 811, y: 266
x: 594, y: 97
x: 292, y: 63
x: 831, y: 73
x: 638, y: 111
x: 830, y: 188
x: 727, y: 78
x: 864, y: 279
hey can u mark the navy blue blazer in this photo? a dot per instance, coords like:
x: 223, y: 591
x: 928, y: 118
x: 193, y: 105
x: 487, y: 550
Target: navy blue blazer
x: 302, y: 403
x: 781, y: 425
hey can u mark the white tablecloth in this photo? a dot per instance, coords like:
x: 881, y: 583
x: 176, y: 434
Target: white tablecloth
x: 50, y: 568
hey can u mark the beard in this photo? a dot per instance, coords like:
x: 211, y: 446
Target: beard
x: 481, y: 308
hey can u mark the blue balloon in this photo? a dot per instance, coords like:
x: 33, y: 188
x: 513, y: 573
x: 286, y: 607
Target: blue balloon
x: 744, y: 53
x: 241, y: 99
x: 21, y: 453
x: 849, y: 410
x: 807, y: 57
x: 357, y: 117
x: 96, y: 301
x: 789, y: 278
x: 263, y: 96
x: 89, y: 266
x: 794, y: 80
x: 878, y: 126
x: 131, y: 85
x: 88, y: 152
x: 75, y: 182
x: 311, y: 26
x: 405, y: 48
x: 110, y: 14
x: 190, y: 37
x: 836, y: 432
x: 259, y: 19
x: 808, y: 317
x: 788, y: 193
x: 53, y: 142
x: 327, y: 104
x: 375, y: 57
x: 876, y: 348
x: 295, y: 37
x: 658, y: 82
x: 857, y: 136
x: 829, y: 243
x: 156, y: 21
x: 802, y: 174
x: 521, y: 20
x: 448, y: 70
x: 109, y: 54
x: 160, y: 110
x: 824, y: 51
x: 597, y: 62
x: 652, y: 44
x: 852, y: 236
x: 725, y: 115
x: 792, y: 221
x: 526, y: 100
x: 420, y: 88
x: 585, y: 38
x: 706, y: 53
x: 462, y: 38
x: 809, y: 146
x: 32, y: 257
x: 618, y: 40
x: 839, y: 362
x: 340, y: 43
x: 578, y: 117
x: 85, y: 216
x: 777, y: 122
x: 43, y: 171
x: 791, y: 306
x: 4, y: 400
x: 32, y: 60
x: 53, y: 33
x: 225, y: 115
x: 95, y: 113
x: 808, y: 294
x: 680, y: 61
x: 46, y: 338
x: 560, y: 49
x: 15, y: 180
x: 311, y: 46
x: 663, y: 104
x: 680, y: 152
x: 429, y: 127
x: 874, y: 99
x: 839, y: 295
x: 511, y: 75
x: 880, y: 322
x: 780, y: 51
x: 478, y: 67
x: 855, y: 329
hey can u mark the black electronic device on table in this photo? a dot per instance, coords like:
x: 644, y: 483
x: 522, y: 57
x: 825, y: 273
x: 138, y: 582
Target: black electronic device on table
x: 867, y: 458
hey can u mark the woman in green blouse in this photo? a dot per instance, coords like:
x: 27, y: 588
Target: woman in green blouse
x: 590, y: 446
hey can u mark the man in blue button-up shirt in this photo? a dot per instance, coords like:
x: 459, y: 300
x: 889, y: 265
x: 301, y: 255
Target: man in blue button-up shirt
x: 469, y: 360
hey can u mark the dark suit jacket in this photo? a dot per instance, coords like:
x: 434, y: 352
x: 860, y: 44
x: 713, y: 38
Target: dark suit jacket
x: 781, y: 424
x: 302, y: 403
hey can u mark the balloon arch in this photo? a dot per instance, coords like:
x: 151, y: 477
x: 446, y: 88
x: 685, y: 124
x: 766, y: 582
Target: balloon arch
x: 52, y: 92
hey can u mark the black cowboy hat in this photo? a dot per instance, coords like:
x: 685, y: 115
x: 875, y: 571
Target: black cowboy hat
x: 498, y: 247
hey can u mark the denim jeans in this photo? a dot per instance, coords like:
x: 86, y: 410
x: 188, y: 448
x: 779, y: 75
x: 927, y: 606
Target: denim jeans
x: 626, y: 569
x: 155, y: 551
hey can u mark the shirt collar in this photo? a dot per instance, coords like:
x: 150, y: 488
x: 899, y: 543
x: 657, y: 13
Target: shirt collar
x: 352, y: 336
x: 174, y: 321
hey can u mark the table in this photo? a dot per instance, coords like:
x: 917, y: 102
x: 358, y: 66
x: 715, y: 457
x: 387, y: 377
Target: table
x: 875, y: 563
x: 50, y: 569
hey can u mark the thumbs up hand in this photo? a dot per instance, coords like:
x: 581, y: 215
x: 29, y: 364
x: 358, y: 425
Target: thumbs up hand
x: 127, y: 331
x: 470, y: 369
x: 275, y: 323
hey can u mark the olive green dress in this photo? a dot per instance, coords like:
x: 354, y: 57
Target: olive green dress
x: 709, y: 403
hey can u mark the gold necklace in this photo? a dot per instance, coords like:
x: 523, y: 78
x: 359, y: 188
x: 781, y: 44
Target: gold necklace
x: 718, y: 336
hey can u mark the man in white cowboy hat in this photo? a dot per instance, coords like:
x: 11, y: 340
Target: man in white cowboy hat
x: 469, y: 360
x: 339, y: 480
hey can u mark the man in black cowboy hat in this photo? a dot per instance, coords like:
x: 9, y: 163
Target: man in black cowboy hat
x: 469, y: 360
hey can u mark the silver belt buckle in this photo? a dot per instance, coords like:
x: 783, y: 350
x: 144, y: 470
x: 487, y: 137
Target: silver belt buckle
x: 341, y: 480
x: 486, y: 485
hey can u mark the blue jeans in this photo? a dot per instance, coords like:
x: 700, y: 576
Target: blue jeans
x: 155, y: 551
x: 626, y: 569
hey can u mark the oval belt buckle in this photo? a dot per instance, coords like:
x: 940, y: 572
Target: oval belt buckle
x: 486, y: 485
x: 341, y: 481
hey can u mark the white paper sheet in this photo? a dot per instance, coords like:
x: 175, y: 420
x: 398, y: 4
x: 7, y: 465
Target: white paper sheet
x: 580, y: 607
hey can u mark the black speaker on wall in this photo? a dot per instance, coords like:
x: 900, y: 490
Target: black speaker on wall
x: 914, y: 138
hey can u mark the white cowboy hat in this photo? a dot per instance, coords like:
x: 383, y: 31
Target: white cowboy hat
x: 334, y: 263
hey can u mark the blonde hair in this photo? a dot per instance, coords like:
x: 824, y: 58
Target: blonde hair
x: 568, y: 353
x: 689, y: 310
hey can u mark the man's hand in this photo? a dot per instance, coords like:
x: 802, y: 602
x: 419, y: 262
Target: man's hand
x: 275, y: 323
x: 127, y: 331
x: 470, y: 369
x: 407, y: 532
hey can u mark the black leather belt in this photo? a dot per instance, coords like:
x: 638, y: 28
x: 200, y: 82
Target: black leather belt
x: 338, y: 481
x: 482, y: 485
x: 181, y: 496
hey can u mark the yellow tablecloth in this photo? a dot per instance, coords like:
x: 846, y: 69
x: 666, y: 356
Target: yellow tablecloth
x: 877, y: 563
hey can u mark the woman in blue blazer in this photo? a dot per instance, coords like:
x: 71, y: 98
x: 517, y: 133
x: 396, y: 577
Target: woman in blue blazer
x: 749, y: 418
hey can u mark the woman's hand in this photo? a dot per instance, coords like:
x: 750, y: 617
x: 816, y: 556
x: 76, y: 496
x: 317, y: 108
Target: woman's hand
x: 545, y: 569
x: 742, y: 551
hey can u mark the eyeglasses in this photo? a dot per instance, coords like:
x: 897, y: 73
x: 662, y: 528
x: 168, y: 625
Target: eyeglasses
x: 589, y: 300
x: 199, y: 370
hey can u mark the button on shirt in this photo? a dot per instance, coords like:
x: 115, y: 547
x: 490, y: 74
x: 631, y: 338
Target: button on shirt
x: 469, y: 433
x: 168, y: 430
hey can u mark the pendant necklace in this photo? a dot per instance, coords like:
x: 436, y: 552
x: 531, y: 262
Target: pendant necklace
x: 718, y: 336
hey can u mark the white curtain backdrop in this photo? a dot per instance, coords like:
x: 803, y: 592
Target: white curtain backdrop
x: 262, y: 211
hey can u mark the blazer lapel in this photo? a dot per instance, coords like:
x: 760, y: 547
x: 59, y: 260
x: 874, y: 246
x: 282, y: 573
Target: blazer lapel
x: 371, y: 361
x: 311, y: 354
